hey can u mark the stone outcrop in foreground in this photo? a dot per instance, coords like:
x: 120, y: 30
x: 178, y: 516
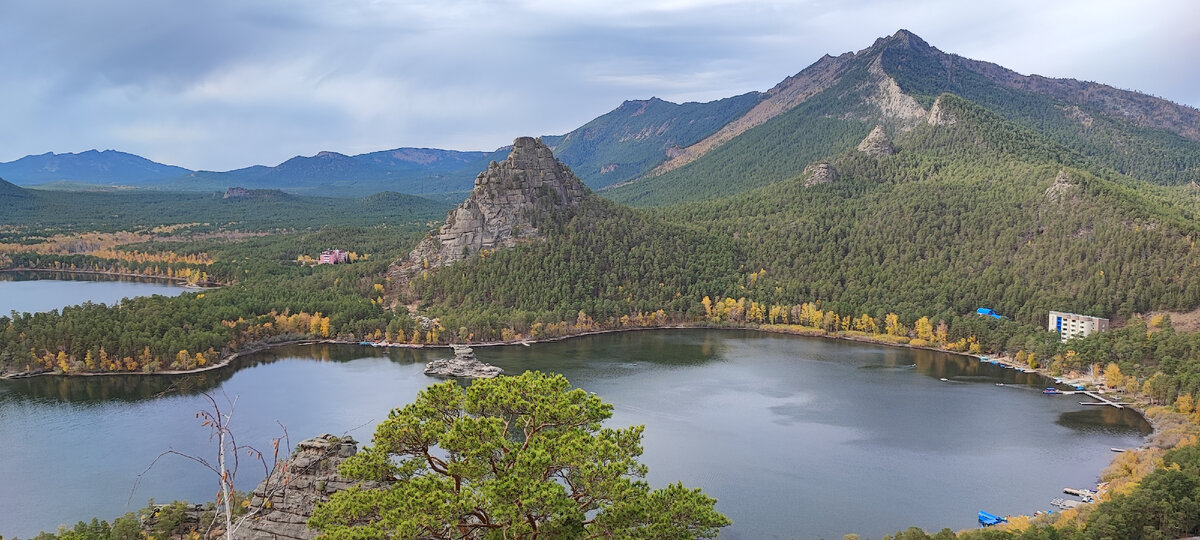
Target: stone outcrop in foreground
x: 464, y: 365
x: 500, y: 210
x: 296, y: 486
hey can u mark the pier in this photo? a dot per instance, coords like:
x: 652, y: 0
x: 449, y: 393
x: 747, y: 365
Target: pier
x: 1100, y: 400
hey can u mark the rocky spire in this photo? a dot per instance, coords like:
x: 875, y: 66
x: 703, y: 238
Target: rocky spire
x: 940, y: 115
x: 501, y: 210
x: 877, y: 143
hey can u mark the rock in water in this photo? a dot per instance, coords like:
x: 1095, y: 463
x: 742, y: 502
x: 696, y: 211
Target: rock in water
x: 464, y: 365
x: 501, y: 209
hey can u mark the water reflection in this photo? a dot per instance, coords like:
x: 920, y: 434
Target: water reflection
x: 1104, y: 419
x: 797, y: 437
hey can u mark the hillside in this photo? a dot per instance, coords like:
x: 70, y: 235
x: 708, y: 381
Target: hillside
x: 962, y: 210
x: 11, y: 191
x: 971, y: 211
x: 639, y: 135
x: 829, y: 106
x: 107, y: 167
x: 532, y: 243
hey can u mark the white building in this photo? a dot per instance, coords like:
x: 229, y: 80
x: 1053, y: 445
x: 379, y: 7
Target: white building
x: 1070, y: 325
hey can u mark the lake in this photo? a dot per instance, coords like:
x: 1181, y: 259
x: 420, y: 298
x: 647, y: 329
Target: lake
x: 31, y: 292
x: 797, y: 437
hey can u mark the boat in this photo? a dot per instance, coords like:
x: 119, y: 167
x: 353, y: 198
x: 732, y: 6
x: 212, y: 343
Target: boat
x: 1051, y: 391
x: 987, y: 520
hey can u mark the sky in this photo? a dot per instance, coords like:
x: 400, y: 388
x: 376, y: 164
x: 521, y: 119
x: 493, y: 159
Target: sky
x: 223, y: 84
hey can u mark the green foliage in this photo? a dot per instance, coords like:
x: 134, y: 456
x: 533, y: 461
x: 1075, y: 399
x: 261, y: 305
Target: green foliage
x: 601, y: 258
x: 963, y: 216
x: 510, y: 457
x: 1164, y: 505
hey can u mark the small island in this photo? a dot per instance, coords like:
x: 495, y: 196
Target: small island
x: 464, y: 365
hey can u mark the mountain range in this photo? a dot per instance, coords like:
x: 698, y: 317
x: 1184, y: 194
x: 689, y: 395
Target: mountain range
x: 656, y: 152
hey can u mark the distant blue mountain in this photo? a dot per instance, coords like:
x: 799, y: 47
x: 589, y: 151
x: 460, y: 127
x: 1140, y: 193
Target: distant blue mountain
x: 107, y: 167
x: 616, y: 147
x: 404, y: 170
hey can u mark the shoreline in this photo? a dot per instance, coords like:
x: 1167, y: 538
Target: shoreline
x: 1001, y: 360
x: 182, y: 282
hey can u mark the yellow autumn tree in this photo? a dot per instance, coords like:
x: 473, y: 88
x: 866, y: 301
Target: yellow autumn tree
x: 1113, y: 378
x: 1185, y: 404
x: 892, y: 325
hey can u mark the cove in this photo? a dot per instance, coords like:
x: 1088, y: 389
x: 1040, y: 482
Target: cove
x: 797, y: 437
x: 32, y: 292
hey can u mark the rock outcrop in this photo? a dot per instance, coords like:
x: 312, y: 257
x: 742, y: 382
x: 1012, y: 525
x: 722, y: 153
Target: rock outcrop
x: 296, y: 486
x: 819, y: 173
x: 500, y: 210
x: 1063, y: 189
x: 464, y: 365
x: 877, y: 143
x: 939, y: 115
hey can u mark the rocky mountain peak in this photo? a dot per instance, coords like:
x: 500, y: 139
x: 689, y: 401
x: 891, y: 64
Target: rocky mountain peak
x: 503, y: 207
x: 877, y: 143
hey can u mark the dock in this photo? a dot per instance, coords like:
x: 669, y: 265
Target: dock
x: 1100, y: 400
x: 1063, y: 504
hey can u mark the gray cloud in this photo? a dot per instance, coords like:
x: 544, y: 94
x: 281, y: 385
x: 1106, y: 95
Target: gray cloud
x: 228, y: 83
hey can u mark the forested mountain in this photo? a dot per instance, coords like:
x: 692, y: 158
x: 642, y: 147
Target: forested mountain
x: 837, y: 100
x: 640, y: 134
x: 107, y: 167
x: 974, y: 211
x: 961, y: 210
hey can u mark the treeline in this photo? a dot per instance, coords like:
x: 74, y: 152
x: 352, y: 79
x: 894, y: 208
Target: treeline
x: 190, y: 273
x: 47, y: 213
x: 272, y: 298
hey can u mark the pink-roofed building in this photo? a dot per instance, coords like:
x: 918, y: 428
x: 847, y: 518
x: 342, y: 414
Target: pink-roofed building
x: 334, y: 256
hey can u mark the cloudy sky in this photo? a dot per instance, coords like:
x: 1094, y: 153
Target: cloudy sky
x: 222, y: 84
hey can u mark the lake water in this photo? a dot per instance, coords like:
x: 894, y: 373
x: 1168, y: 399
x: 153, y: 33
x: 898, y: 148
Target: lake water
x: 797, y: 437
x: 44, y: 291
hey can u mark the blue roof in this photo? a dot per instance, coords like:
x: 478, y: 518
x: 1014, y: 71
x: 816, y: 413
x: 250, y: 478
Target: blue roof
x: 989, y: 312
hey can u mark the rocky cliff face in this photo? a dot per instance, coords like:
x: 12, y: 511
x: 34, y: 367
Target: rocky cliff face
x: 501, y: 209
x: 819, y: 173
x: 295, y: 487
x: 877, y: 143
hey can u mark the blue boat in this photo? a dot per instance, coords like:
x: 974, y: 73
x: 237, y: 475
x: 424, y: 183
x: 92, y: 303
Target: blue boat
x: 987, y: 520
x: 1051, y: 391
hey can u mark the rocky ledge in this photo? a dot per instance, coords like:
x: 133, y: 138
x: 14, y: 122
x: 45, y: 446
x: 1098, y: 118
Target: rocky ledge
x: 296, y: 486
x: 464, y: 365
